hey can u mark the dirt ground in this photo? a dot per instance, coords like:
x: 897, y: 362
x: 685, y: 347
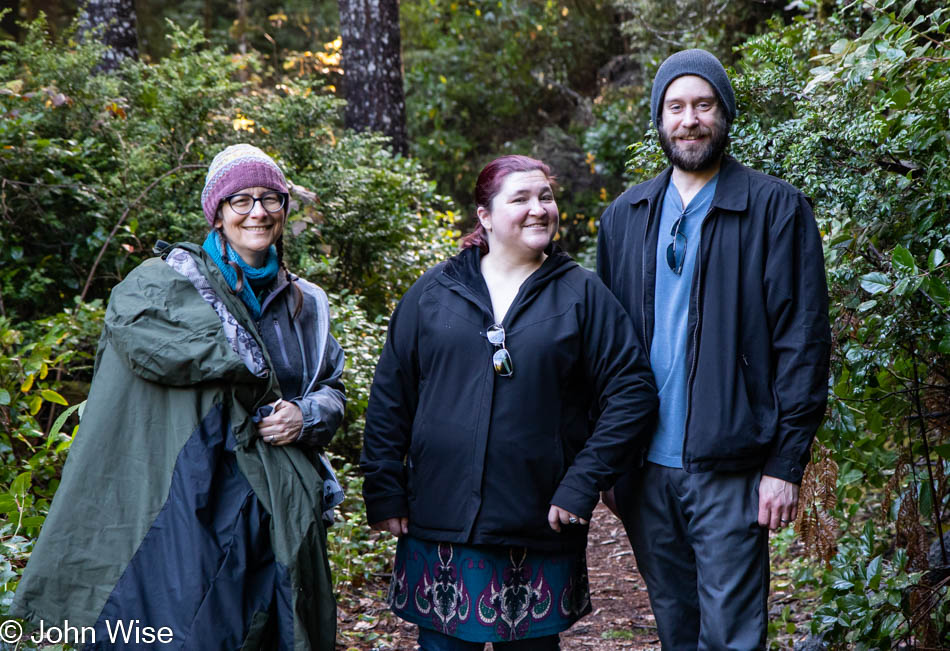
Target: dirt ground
x: 621, y: 617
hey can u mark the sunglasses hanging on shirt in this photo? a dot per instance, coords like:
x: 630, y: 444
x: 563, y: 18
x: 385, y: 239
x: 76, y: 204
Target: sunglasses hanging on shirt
x: 501, y: 360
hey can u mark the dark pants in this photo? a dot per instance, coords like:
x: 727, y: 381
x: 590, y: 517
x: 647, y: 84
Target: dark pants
x: 430, y: 640
x: 702, y: 553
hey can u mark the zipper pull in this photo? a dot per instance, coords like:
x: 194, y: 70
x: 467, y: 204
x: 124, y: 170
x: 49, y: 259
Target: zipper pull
x: 744, y: 360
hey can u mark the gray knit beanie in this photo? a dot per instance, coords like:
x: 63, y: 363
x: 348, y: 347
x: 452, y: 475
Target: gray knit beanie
x: 692, y: 62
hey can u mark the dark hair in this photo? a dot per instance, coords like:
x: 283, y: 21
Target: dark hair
x: 488, y: 186
x: 239, y: 273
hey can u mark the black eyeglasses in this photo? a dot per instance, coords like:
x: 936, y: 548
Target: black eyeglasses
x: 243, y: 204
x: 501, y: 360
x: 676, y: 251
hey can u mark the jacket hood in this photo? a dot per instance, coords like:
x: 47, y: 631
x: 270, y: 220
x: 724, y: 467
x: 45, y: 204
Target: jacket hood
x: 165, y: 332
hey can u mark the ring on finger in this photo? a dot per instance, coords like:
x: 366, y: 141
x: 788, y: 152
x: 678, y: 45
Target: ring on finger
x: 572, y: 520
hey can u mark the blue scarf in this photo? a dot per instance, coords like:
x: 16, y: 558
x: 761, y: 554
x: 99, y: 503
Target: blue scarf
x: 255, y: 278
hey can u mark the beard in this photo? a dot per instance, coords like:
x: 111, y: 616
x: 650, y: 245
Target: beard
x: 697, y: 159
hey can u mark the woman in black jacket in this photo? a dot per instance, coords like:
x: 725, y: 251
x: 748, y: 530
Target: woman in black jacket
x: 510, y: 391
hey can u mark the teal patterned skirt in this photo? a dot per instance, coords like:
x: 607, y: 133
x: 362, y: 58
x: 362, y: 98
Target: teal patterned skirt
x: 487, y: 593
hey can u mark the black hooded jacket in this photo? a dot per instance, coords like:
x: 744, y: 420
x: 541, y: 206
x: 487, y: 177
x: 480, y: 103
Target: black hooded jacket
x: 758, y: 333
x: 473, y: 457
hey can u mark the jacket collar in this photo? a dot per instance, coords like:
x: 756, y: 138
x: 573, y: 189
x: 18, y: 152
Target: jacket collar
x: 732, y: 189
x: 465, y: 266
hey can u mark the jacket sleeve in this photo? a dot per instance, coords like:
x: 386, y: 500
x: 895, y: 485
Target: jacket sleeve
x: 392, y: 405
x: 796, y: 296
x: 625, y: 408
x: 323, y: 407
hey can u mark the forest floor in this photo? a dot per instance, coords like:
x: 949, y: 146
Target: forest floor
x: 621, y: 616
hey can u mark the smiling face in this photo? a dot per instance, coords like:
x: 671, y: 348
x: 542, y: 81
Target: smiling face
x: 251, y: 235
x: 693, y: 128
x: 522, y: 218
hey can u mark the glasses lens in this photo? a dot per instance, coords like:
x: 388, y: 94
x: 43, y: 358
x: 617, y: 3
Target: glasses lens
x: 241, y: 203
x: 496, y: 335
x: 501, y: 360
x: 272, y: 202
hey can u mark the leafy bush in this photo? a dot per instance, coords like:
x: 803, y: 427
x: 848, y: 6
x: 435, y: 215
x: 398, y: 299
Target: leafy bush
x: 485, y: 78
x: 32, y: 451
x: 357, y: 554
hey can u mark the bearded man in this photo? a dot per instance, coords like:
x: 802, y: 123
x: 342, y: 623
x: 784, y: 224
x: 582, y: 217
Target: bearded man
x: 721, y: 269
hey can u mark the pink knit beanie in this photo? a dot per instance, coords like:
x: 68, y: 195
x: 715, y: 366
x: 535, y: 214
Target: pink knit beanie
x: 238, y: 167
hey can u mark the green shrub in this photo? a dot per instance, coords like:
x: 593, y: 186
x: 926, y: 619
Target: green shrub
x: 33, y: 446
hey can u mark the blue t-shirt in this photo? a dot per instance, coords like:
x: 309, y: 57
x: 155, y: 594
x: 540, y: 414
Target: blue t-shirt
x: 671, y: 312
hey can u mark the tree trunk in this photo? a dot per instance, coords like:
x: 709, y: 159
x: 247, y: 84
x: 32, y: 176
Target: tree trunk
x: 117, y: 18
x: 9, y: 23
x: 372, y: 69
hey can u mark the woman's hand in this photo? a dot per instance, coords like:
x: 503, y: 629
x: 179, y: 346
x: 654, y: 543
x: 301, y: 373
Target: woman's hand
x: 395, y: 526
x: 284, y: 424
x: 558, y: 516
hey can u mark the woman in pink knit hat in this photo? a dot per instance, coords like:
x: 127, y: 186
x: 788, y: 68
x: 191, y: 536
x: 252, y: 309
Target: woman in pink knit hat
x: 192, y: 509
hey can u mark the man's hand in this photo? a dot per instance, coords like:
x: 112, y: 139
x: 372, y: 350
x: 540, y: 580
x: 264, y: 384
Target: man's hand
x: 395, y: 526
x: 778, y: 502
x: 284, y: 424
x: 558, y: 516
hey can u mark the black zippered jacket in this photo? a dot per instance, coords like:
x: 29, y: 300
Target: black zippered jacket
x: 472, y: 457
x: 758, y: 332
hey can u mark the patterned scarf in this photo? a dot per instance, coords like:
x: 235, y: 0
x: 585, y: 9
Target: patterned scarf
x: 255, y: 278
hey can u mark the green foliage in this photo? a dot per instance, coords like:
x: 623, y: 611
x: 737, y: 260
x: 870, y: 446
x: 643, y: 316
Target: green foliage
x: 31, y: 452
x: 362, y: 340
x: 657, y: 29
x: 486, y: 77
x: 357, y: 554
x: 134, y: 160
x: 80, y: 152
x: 865, y: 596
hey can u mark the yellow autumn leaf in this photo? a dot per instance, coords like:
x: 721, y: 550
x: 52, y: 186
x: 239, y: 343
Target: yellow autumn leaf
x: 241, y: 123
x: 27, y: 384
x: 35, y: 403
x: 51, y: 396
